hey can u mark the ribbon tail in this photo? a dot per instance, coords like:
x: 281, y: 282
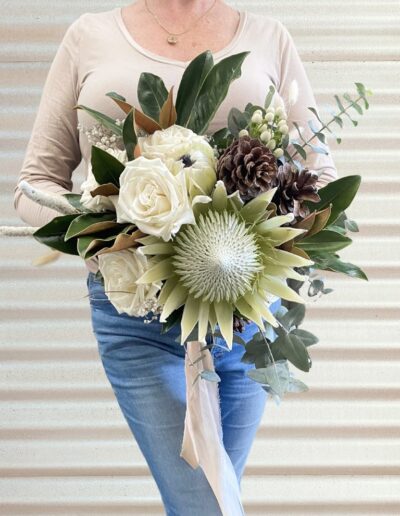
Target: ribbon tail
x: 202, y: 443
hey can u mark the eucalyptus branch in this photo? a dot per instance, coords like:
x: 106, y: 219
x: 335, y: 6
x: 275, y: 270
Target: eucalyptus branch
x: 326, y: 126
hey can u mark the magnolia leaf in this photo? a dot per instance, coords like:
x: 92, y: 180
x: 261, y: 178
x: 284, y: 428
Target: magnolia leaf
x: 340, y: 193
x: 106, y: 168
x: 89, y: 223
x: 106, y: 189
x: 146, y: 123
x: 105, y: 120
x: 121, y: 101
x: 324, y: 241
x: 52, y: 234
x: 214, y: 90
x: 152, y: 94
x: 190, y: 86
x: 122, y: 241
x: 326, y: 261
x: 168, y: 112
x: 129, y: 135
x: 75, y: 200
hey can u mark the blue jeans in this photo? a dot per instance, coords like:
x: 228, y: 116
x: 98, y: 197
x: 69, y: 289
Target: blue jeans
x: 146, y: 371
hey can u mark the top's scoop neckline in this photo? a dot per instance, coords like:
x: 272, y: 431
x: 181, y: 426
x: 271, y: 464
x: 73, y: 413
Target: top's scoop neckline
x: 117, y: 11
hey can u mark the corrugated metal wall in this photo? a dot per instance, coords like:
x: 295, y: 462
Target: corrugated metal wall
x: 64, y: 446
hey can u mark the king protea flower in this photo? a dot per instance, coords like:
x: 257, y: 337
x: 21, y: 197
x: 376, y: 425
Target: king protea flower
x: 227, y: 260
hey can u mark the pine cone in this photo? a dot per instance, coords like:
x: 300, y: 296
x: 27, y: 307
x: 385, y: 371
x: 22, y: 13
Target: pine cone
x: 295, y: 185
x: 248, y: 166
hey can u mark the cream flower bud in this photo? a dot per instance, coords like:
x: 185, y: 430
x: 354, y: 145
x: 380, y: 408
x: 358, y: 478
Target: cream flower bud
x: 278, y: 153
x: 269, y: 116
x: 265, y: 136
x: 257, y: 118
x: 280, y: 112
x: 284, y: 129
x: 244, y: 132
x: 271, y: 144
x: 264, y: 127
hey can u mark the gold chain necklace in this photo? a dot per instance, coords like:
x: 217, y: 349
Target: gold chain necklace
x: 172, y: 38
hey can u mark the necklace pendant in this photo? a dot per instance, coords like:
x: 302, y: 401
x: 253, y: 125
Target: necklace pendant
x: 172, y: 40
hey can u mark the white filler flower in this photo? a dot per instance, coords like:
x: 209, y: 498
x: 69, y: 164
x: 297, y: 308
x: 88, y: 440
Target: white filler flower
x: 154, y: 199
x: 120, y: 271
x: 99, y: 202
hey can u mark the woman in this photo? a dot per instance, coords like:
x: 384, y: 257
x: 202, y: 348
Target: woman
x: 107, y: 51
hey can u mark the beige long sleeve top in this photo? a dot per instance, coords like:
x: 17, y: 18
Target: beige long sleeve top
x: 97, y: 54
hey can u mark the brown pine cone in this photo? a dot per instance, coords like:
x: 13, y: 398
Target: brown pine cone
x: 248, y: 166
x: 295, y: 185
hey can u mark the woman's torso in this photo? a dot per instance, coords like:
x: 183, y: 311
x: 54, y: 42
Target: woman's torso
x: 111, y: 60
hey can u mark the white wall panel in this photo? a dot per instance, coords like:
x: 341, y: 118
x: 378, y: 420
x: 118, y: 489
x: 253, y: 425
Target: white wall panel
x: 335, y: 450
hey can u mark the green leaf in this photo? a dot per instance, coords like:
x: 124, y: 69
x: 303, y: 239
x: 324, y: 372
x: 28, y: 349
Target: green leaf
x: 298, y: 131
x: 269, y: 97
x: 103, y: 119
x: 256, y: 351
x: 90, y: 223
x: 340, y: 193
x: 351, y: 225
x: 275, y: 375
x: 106, y: 168
x: 360, y: 88
x: 190, y: 86
x: 296, y: 385
x: 52, y: 234
x: 339, y: 103
x: 237, y: 121
x: 214, y: 90
x: 173, y: 319
x: 222, y: 138
x: 209, y: 375
x: 338, y: 120
x: 324, y: 241
x: 129, y: 135
x: 75, y: 200
x: 308, y: 338
x: 333, y: 263
x: 152, y: 93
x: 292, y: 318
x: 315, y: 112
x: 294, y: 349
x: 300, y: 150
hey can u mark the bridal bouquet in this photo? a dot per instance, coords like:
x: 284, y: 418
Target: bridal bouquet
x: 206, y: 231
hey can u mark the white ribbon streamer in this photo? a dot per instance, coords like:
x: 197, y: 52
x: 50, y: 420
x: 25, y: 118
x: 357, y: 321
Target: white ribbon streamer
x: 202, y: 443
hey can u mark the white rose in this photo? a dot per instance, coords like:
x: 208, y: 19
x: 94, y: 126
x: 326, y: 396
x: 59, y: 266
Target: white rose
x: 179, y: 147
x: 174, y: 142
x: 120, y: 270
x: 99, y: 202
x: 153, y: 198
